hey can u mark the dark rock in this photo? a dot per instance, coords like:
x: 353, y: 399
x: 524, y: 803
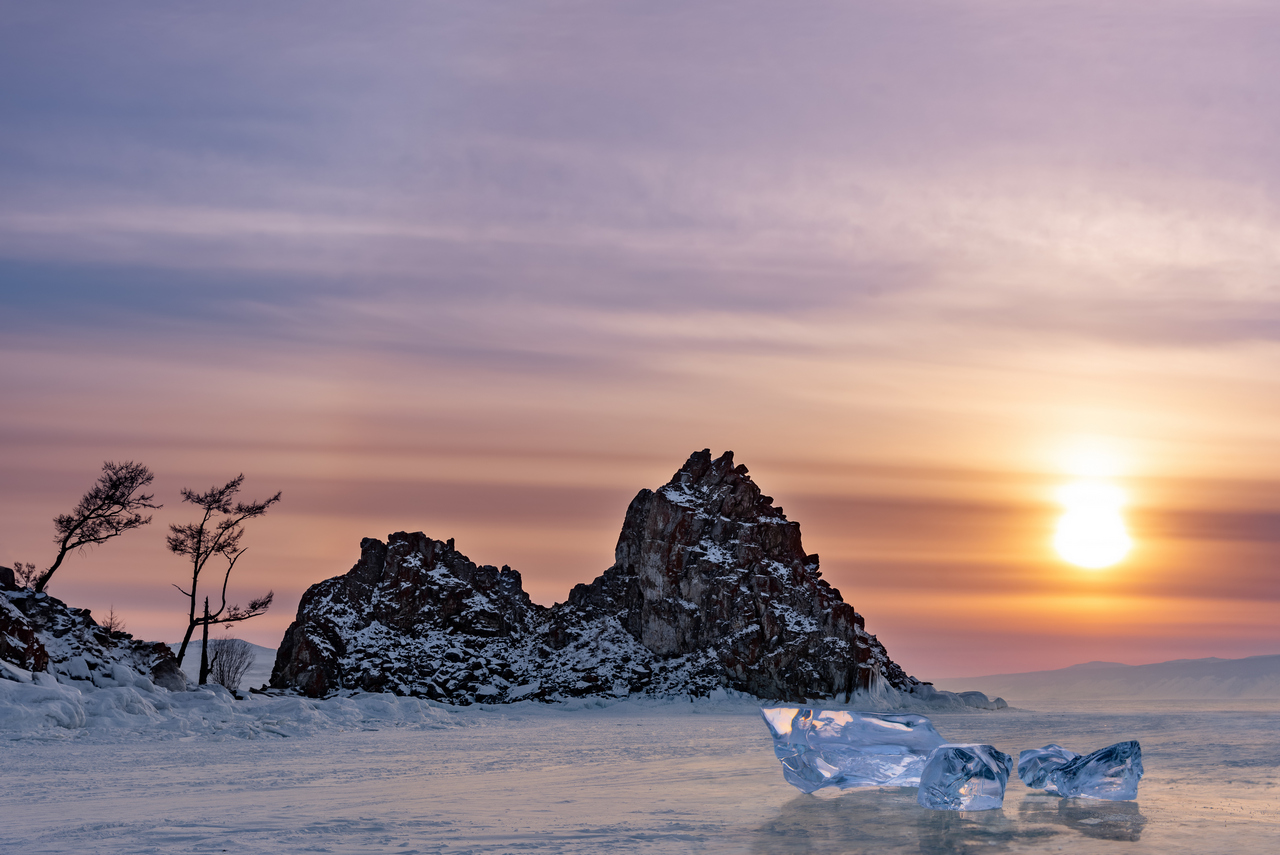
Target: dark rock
x: 8, y: 581
x: 710, y: 588
x: 165, y: 670
x: 19, y: 644
x: 411, y: 612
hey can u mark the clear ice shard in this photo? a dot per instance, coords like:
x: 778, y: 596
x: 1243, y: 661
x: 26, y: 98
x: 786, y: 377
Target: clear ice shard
x: 1035, y: 764
x: 964, y: 777
x: 838, y: 748
x: 1108, y: 773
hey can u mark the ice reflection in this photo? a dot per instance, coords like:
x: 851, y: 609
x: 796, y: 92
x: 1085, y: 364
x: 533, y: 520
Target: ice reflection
x: 1092, y: 818
x: 805, y: 824
x: 971, y: 832
x: 888, y: 820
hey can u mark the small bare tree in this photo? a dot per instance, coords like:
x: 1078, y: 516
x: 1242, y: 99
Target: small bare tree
x: 24, y: 574
x: 218, y: 533
x: 112, y: 623
x: 231, y: 660
x: 110, y: 508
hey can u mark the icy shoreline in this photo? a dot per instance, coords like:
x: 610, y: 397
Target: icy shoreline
x: 38, y: 707
x: 121, y: 704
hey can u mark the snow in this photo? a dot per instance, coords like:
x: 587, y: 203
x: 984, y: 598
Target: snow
x: 127, y: 706
x: 590, y: 776
x: 680, y: 496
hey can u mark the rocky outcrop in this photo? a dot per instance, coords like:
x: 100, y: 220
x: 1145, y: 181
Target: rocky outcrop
x: 41, y: 633
x: 414, y: 616
x: 710, y: 588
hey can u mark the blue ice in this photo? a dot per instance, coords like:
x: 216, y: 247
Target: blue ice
x: 837, y: 748
x: 964, y: 777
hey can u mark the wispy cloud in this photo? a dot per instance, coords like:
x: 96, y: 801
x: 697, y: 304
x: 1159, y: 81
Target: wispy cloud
x: 566, y: 244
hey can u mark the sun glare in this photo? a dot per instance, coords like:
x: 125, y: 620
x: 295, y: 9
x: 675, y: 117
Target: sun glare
x: 1091, y: 532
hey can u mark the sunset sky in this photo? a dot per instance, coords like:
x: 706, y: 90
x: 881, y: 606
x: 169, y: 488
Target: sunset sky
x: 485, y: 270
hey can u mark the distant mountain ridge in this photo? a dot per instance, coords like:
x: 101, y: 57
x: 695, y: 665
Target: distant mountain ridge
x: 1249, y: 678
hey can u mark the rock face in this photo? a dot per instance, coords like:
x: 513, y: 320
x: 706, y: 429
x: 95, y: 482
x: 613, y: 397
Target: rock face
x: 41, y: 633
x: 710, y: 588
x: 414, y: 616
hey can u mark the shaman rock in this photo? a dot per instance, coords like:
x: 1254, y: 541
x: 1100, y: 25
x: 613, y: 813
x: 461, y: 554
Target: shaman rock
x: 710, y: 588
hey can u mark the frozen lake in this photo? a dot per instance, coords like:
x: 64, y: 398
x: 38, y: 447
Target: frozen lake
x: 633, y: 777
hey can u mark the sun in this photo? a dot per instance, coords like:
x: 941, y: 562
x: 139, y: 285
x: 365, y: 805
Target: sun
x: 1091, y: 532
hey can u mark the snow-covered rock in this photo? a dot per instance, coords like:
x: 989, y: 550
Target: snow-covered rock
x: 40, y: 633
x: 62, y: 676
x: 710, y: 589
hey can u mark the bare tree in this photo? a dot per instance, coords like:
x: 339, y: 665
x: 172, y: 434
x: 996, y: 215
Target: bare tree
x: 217, y: 534
x: 24, y: 574
x: 231, y: 660
x: 110, y: 508
x: 112, y: 623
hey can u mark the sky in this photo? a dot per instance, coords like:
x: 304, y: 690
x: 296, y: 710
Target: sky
x: 486, y: 270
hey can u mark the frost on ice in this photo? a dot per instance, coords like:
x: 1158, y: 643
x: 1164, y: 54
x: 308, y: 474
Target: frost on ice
x: 834, y: 748
x: 964, y: 777
x: 1108, y: 773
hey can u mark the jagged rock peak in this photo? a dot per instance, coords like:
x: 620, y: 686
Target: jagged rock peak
x: 710, y: 587
x: 720, y: 486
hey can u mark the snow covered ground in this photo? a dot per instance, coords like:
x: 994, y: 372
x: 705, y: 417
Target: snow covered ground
x: 374, y: 774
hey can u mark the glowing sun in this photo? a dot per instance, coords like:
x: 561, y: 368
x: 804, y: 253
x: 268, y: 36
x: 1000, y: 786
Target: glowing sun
x: 1091, y: 532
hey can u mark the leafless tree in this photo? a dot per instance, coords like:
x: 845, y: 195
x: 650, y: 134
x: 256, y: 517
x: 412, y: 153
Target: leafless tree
x: 24, y: 574
x: 112, y: 623
x: 110, y: 508
x: 217, y: 534
x: 231, y: 659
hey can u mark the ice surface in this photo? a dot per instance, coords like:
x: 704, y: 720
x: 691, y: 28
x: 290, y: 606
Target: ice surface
x: 837, y: 748
x: 1108, y: 773
x: 1035, y: 764
x: 622, y: 777
x: 964, y: 777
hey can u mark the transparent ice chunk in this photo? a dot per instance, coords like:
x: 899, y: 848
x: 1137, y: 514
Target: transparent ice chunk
x: 1035, y: 764
x: 1108, y: 773
x: 964, y: 777
x: 838, y: 748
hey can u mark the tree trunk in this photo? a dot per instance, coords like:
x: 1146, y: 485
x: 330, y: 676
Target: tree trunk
x: 186, y: 639
x: 204, y: 646
x: 48, y: 574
